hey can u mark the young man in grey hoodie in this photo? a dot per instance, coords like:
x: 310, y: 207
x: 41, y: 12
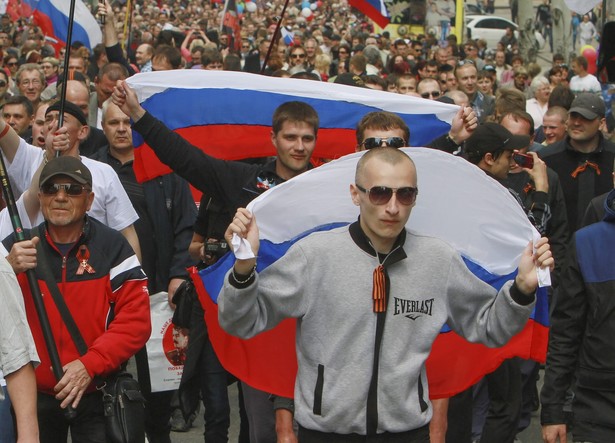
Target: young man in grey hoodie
x: 361, y: 368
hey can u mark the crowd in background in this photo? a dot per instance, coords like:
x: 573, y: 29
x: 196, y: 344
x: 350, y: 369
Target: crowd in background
x: 326, y: 41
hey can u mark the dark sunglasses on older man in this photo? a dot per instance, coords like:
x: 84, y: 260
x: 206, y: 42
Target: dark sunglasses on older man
x: 73, y: 189
x: 376, y: 142
x: 380, y: 195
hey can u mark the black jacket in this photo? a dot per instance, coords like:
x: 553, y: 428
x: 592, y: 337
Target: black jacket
x: 233, y: 184
x: 581, y: 345
x: 582, y: 176
x: 171, y: 211
x: 557, y: 225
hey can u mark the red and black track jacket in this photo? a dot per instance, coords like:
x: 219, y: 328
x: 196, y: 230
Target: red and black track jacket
x: 108, y: 300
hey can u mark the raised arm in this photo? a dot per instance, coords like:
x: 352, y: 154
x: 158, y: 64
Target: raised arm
x: 9, y: 140
x: 244, y: 225
x: 220, y: 179
x: 112, y: 45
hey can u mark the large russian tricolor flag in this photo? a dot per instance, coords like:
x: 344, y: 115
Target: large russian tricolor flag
x: 52, y: 17
x: 228, y: 114
x: 457, y: 202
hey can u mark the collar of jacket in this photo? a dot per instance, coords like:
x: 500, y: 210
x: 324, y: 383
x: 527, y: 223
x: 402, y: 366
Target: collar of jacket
x: 85, y: 233
x: 598, y: 149
x: 362, y: 241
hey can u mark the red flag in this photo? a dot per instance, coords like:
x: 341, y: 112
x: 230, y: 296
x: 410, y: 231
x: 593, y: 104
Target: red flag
x: 231, y: 25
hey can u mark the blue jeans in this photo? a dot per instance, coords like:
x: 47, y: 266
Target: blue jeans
x: 7, y: 431
x: 214, y: 392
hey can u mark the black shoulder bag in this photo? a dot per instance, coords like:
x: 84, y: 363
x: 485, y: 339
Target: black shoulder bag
x: 123, y: 402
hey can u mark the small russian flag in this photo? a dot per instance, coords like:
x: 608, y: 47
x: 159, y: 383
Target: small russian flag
x: 288, y: 36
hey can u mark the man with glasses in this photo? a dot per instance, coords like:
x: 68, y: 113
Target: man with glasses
x: 466, y: 75
x: 111, y: 205
x: 297, y: 59
x: 381, y: 128
x: 471, y: 53
x: 93, y: 266
x: 342, y: 381
x: 31, y: 82
x: 429, y: 88
x: 51, y: 67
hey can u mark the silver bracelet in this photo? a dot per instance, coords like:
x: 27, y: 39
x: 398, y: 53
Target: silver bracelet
x: 248, y: 278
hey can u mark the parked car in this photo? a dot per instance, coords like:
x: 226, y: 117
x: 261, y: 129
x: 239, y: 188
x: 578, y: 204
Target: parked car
x: 488, y: 27
x: 491, y: 28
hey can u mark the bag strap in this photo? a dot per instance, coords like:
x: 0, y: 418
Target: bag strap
x: 68, y: 319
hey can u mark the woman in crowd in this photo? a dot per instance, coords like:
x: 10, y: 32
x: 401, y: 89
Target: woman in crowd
x: 540, y: 89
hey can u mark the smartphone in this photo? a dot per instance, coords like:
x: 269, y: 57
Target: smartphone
x: 523, y: 160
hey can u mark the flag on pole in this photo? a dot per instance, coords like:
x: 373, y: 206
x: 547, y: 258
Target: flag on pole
x: 288, y: 36
x: 52, y: 17
x: 228, y: 114
x: 374, y: 9
x: 458, y: 203
x: 231, y: 25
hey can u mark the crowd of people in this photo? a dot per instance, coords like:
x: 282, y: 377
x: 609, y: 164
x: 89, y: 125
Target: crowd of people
x: 544, y: 134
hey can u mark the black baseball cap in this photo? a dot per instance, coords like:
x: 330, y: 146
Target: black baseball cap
x: 491, y: 137
x: 590, y: 106
x: 349, y: 79
x: 66, y: 165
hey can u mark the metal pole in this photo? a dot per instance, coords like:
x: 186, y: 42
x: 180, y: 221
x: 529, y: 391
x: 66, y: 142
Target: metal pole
x: 69, y: 37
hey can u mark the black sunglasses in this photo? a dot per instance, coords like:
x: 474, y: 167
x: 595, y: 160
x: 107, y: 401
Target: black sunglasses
x: 380, y: 195
x: 69, y: 188
x: 434, y: 94
x: 2, y: 83
x: 297, y: 55
x: 392, y: 142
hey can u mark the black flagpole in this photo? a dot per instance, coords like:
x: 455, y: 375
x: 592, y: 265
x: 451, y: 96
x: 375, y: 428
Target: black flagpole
x: 69, y: 38
x: 35, y: 290
x: 276, y: 33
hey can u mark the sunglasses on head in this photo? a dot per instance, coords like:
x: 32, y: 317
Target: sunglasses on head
x: 376, y: 142
x: 381, y: 195
x: 434, y: 94
x: 465, y: 62
x: 69, y: 188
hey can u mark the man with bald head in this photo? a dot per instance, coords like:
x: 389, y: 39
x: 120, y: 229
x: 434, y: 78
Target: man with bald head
x: 143, y: 57
x: 77, y: 93
x: 344, y: 313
